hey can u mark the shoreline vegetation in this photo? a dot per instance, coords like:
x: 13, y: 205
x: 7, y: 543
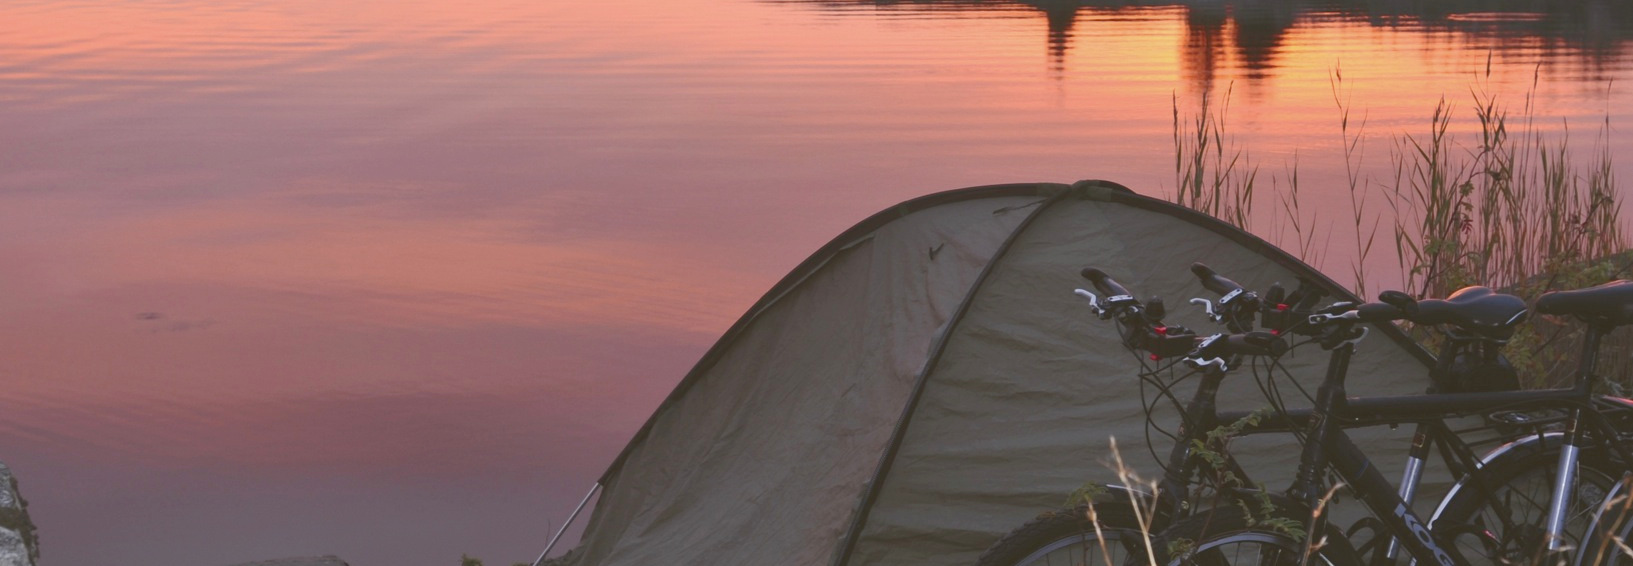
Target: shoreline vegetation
x: 1513, y: 209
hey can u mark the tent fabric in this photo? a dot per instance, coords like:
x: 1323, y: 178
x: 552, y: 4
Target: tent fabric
x: 927, y: 382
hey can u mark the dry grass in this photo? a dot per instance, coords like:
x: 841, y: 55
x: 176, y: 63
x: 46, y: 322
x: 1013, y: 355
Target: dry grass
x: 1516, y: 209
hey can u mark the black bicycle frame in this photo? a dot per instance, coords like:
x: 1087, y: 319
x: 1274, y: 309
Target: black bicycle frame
x: 1200, y: 415
x: 1328, y: 445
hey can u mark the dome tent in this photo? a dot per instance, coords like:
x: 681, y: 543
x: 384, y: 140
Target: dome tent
x: 927, y: 381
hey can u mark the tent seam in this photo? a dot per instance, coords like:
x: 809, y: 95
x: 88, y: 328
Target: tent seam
x: 861, y: 231
x: 861, y: 511
x: 844, y: 241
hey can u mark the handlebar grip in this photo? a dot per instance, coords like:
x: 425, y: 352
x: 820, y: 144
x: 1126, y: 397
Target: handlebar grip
x: 1213, y: 281
x: 1379, y: 312
x: 1248, y: 344
x: 1402, y: 301
x: 1104, y: 283
x: 1256, y: 344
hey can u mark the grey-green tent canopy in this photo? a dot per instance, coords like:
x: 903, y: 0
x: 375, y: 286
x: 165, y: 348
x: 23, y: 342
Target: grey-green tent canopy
x: 928, y: 381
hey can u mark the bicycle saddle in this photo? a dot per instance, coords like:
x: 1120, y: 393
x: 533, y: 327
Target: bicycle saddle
x: 1610, y: 303
x: 1475, y: 309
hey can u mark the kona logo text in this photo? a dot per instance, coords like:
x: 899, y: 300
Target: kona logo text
x: 1422, y: 534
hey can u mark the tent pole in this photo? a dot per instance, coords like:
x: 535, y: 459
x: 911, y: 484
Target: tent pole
x: 563, y: 529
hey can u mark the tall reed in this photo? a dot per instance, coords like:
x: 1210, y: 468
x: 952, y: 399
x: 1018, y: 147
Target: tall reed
x: 1354, y: 151
x: 1211, y: 175
x: 1517, y: 210
x: 1517, y: 215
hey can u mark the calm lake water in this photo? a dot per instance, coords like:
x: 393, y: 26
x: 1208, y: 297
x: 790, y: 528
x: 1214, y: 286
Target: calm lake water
x: 397, y: 280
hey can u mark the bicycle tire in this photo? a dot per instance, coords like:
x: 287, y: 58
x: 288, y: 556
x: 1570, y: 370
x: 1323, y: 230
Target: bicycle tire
x: 1521, y: 484
x: 1229, y: 536
x: 1613, y: 531
x: 1066, y: 537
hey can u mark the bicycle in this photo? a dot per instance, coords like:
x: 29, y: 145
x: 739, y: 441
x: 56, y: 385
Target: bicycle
x: 1062, y: 532
x: 1118, y: 518
x: 1327, y: 446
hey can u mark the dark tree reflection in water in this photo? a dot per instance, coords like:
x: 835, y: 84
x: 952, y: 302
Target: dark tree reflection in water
x: 1586, y: 34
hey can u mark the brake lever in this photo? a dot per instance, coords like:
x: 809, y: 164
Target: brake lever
x: 1345, y: 311
x: 1321, y: 319
x: 1361, y: 332
x: 1094, y: 302
x: 1207, y: 305
x: 1199, y: 363
x: 1195, y: 359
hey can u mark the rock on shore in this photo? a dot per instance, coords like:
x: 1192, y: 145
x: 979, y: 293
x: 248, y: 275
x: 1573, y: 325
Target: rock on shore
x: 19, y: 545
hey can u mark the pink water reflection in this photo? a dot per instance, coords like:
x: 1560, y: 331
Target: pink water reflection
x: 397, y: 280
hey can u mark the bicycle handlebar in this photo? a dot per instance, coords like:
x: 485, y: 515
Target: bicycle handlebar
x: 1104, y: 283
x: 1213, y: 281
x: 1147, y: 333
x: 1249, y: 344
x: 1365, y: 312
x: 1400, y: 300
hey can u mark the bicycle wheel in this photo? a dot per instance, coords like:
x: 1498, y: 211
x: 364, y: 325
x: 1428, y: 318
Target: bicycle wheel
x: 1504, y: 524
x: 1228, y: 536
x: 1612, y: 541
x: 1067, y: 538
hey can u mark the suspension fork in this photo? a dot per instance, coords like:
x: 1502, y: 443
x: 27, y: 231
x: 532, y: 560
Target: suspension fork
x: 1559, y: 504
x: 1414, y: 473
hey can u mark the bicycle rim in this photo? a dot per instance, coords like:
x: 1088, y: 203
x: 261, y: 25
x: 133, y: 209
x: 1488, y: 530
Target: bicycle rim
x: 1082, y: 550
x: 1249, y: 548
x: 1521, y: 503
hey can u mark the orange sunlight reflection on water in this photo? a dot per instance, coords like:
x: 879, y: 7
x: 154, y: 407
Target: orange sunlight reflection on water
x: 405, y: 263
